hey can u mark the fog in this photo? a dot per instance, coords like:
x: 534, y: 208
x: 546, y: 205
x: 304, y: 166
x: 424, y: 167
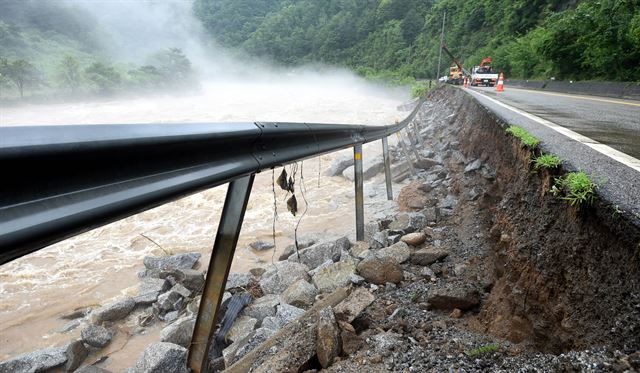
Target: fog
x: 101, y: 265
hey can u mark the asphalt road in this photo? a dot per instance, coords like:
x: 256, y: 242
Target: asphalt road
x: 598, y: 135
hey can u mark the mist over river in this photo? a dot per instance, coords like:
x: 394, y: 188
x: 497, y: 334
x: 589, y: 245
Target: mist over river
x: 102, y: 265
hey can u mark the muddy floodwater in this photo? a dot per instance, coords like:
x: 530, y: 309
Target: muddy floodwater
x: 101, y: 265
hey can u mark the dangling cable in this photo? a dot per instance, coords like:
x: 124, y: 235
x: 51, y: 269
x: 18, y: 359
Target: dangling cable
x: 303, y: 190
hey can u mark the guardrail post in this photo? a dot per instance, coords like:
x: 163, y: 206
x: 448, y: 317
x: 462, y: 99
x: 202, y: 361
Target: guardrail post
x: 224, y: 247
x: 407, y: 157
x: 358, y: 178
x: 387, y: 167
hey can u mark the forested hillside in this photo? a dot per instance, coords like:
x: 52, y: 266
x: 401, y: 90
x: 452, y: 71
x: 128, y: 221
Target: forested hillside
x: 566, y: 39
x: 54, y: 47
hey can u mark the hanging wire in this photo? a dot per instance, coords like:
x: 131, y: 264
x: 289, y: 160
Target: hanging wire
x: 303, y: 190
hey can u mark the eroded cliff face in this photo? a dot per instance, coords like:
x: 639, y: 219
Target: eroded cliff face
x: 561, y: 277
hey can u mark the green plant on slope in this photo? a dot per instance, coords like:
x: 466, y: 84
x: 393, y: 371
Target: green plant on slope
x: 483, y: 350
x: 547, y: 161
x: 575, y: 188
x: 524, y: 136
x: 420, y: 89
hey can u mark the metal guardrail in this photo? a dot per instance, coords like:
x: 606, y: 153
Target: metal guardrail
x: 59, y: 181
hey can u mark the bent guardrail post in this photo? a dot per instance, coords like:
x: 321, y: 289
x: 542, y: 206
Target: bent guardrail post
x: 358, y: 181
x: 387, y: 167
x: 224, y: 247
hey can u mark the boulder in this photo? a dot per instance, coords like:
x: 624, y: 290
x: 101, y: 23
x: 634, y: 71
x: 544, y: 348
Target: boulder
x: 414, y: 239
x: 271, y: 322
x: 149, y: 290
x: 303, y: 243
x: 190, y: 278
x: 425, y: 163
x: 427, y: 256
x: 238, y: 280
x: 114, y: 311
x: 339, y: 164
x: 162, y: 357
x: 353, y: 305
x: 460, y: 296
x: 411, y: 197
x: 380, y: 270
x: 379, y: 239
x: 252, y: 341
x: 449, y: 202
x: 170, y: 301
x: 178, y: 288
x: 335, y: 275
x: 262, y: 307
x: 432, y: 214
x: 76, y: 353
x: 36, y: 361
x: 328, y: 342
x: 281, y: 275
x: 261, y: 245
x: 356, y: 279
x: 359, y: 247
x: 351, y: 341
x: 317, y: 254
x: 399, y: 252
x: 185, y: 260
x: 473, y: 166
x: 371, y: 166
x: 408, y: 222
x: 300, y: 294
x: 179, y: 332
x: 96, y: 335
x: 320, y: 267
x: 169, y: 316
x: 286, y: 313
x: 242, y: 327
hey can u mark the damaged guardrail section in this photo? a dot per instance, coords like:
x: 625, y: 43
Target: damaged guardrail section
x: 60, y: 181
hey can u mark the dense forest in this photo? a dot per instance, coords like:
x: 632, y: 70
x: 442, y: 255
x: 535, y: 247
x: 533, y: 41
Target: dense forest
x: 565, y: 39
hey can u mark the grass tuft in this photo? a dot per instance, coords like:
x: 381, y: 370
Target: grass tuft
x: 483, y: 350
x: 575, y: 188
x: 547, y: 161
x: 524, y: 136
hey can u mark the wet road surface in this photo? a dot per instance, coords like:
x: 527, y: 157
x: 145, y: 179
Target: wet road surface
x: 598, y: 135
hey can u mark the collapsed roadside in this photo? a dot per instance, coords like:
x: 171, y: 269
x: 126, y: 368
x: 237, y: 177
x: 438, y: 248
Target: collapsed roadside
x: 483, y: 269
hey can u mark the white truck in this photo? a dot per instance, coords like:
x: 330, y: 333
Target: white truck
x: 483, y: 74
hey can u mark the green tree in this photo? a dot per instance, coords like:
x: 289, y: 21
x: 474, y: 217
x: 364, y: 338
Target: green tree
x: 21, y: 73
x: 69, y: 73
x: 104, y: 77
x: 173, y: 66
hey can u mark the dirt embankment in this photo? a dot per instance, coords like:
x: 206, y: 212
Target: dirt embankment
x: 562, y: 277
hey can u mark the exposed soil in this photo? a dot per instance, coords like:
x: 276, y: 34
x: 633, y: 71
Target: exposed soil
x: 559, y: 286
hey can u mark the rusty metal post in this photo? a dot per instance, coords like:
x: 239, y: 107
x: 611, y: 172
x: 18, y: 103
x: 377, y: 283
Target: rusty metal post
x: 387, y: 167
x: 224, y: 247
x: 358, y: 179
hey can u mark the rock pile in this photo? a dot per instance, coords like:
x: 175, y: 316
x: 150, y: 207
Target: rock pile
x: 168, y: 285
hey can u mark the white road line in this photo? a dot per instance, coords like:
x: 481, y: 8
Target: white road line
x: 610, y: 152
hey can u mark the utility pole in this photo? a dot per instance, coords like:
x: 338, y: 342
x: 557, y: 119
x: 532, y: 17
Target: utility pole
x: 444, y: 17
